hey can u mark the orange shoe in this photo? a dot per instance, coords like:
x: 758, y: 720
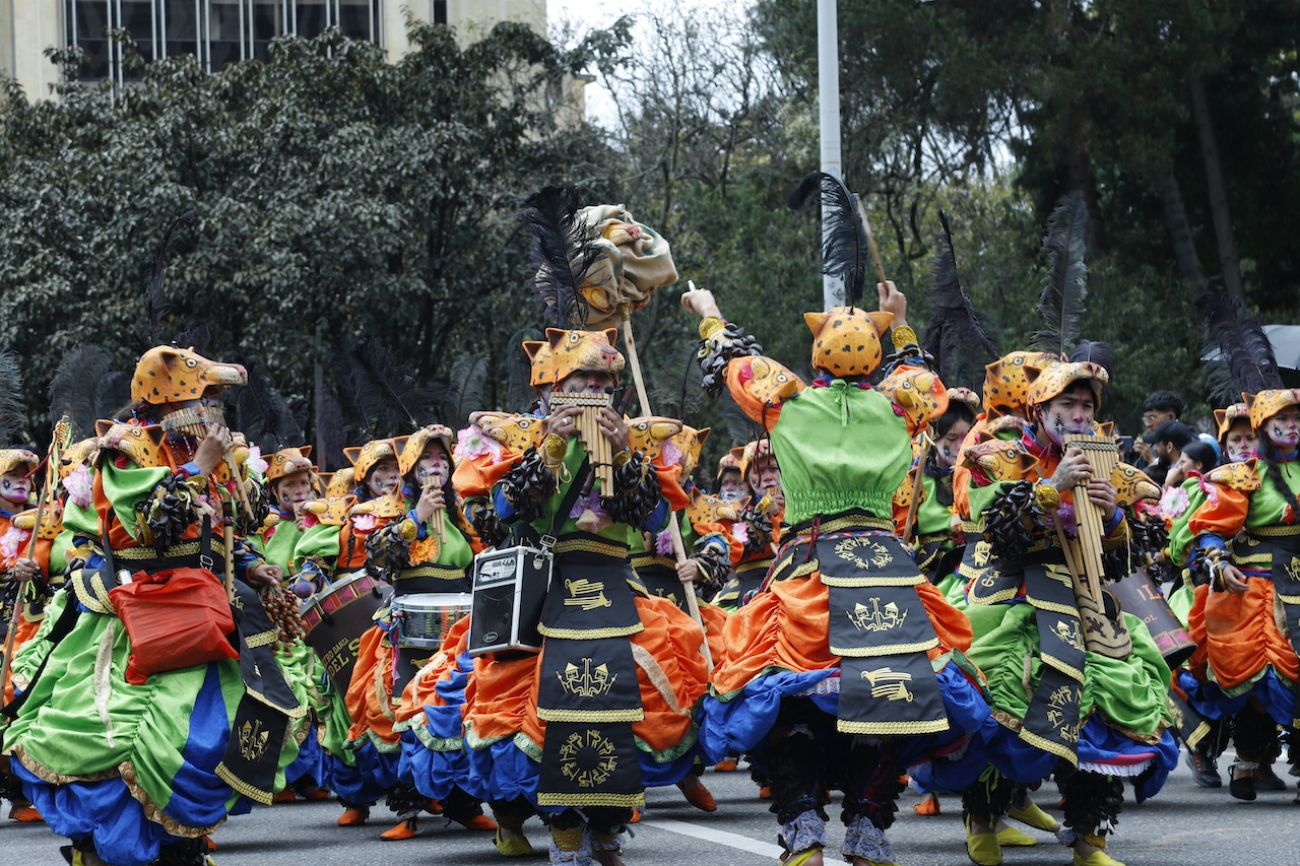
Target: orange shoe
x: 28, y: 815
x: 904, y: 779
x: 927, y: 807
x: 725, y: 766
x: 697, y: 795
x: 285, y: 796
x: 212, y: 846
x: 434, y: 807
x: 405, y: 830
x: 354, y: 817
x: 478, y: 822
x: 636, y: 815
x: 765, y: 792
x: 317, y: 794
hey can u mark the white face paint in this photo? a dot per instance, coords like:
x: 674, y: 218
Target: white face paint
x: 1068, y: 414
x: 433, y: 464
x: 384, y: 477
x: 947, y: 446
x: 15, y: 487
x: 1283, y: 429
x: 732, y: 487
x: 293, y: 490
x: 1240, y: 442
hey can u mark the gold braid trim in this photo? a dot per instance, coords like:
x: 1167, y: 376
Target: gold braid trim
x: 187, y: 548
x: 240, y: 787
x: 587, y: 545
x: 1274, y: 531
x: 754, y: 565
x: 839, y: 524
x: 637, y: 800
x: 891, y: 649
x: 157, y: 815
x: 1049, y: 746
x: 830, y: 580
x: 589, y: 633
x: 930, y: 727
x: 1069, y: 670
x: 262, y: 638
x: 636, y: 715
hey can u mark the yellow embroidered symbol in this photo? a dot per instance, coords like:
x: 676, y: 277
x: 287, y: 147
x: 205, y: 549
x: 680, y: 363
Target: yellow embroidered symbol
x: 1069, y: 633
x: 888, y: 684
x: 981, y: 556
x: 989, y: 580
x: 253, y: 740
x: 1293, y: 568
x: 865, y: 553
x: 876, y: 618
x: 1063, y: 713
x: 588, y: 758
x: 586, y: 683
x: 586, y: 594
x: 1176, y: 712
x: 663, y: 593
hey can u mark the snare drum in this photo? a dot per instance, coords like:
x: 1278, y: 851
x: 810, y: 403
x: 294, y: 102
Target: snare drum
x: 337, y: 617
x: 422, y: 619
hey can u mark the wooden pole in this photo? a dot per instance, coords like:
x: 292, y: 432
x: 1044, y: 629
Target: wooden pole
x: 917, y: 488
x: 679, y: 547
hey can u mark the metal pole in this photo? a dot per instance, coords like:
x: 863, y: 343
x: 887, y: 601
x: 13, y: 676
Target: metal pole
x: 828, y: 103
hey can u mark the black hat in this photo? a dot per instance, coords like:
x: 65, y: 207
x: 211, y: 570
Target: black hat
x: 1174, y: 432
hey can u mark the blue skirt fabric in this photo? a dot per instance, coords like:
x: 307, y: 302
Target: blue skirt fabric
x: 123, y: 834
x: 1271, y: 690
x: 368, y: 780
x: 502, y: 771
x: 434, y: 759
x: 743, y: 723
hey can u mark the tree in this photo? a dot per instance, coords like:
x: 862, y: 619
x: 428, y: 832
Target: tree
x: 333, y: 189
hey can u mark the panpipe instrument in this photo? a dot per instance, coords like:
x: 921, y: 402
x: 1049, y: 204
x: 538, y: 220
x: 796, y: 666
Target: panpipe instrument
x: 197, y: 422
x: 590, y: 435
x: 1084, y: 554
x: 438, y: 519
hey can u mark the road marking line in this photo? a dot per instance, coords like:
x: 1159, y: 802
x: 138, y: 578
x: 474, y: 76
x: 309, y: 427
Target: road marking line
x: 709, y: 834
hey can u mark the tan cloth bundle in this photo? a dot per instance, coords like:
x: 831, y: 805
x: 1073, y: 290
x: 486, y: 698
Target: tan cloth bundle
x: 637, y: 261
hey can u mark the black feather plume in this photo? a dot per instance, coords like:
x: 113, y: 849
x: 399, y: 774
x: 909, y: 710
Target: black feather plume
x: 75, y: 389
x: 563, y: 250
x: 114, y: 397
x: 680, y: 390
x: 520, y: 395
x: 385, y: 391
x: 464, y: 393
x: 13, y: 411
x: 1066, y: 283
x: 331, y: 430
x: 196, y: 336
x: 846, y: 253
x: 264, y: 417
x: 1099, y: 353
x: 155, y: 301
x: 1244, y: 348
x: 954, y: 330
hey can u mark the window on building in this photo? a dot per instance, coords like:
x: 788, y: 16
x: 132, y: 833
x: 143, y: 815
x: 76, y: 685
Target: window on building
x: 439, y: 11
x: 217, y: 32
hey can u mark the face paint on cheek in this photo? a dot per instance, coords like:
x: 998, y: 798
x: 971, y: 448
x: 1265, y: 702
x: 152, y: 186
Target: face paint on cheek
x: 1058, y: 429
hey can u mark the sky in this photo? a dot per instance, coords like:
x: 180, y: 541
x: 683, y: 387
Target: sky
x: 588, y: 14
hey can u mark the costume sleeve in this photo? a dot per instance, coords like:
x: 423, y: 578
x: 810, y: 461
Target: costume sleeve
x: 732, y: 359
x: 126, y: 488
x: 1221, y: 516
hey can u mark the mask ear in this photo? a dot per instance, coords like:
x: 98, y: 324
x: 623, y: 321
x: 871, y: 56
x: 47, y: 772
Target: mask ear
x: 816, y: 321
x: 880, y: 321
x: 1220, y: 415
x: 1249, y: 400
x: 532, y: 347
x: 306, y: 450
x: 352, y: 454
x: 737, y: 453
x: 701, y: 436
x: 555, y: 336
x: 102, y: 427
x: 611, y: 334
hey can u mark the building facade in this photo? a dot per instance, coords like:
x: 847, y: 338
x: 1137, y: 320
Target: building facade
x: 218, y: 32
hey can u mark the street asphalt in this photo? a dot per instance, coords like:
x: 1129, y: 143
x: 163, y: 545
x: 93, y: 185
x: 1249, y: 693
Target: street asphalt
x: 1183, y: 826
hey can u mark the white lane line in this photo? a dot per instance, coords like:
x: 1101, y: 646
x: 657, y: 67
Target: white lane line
x: 709, y: 834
